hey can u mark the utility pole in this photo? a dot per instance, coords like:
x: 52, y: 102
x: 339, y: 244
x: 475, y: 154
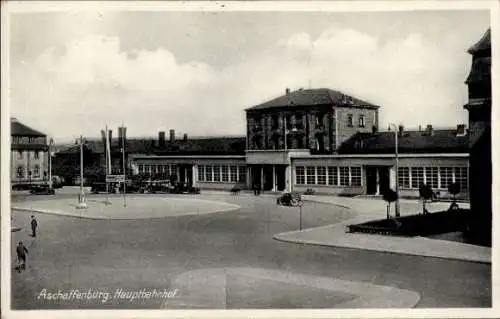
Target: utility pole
x: 51, y: 142
x: 81, y: 198
x: 396, y: 132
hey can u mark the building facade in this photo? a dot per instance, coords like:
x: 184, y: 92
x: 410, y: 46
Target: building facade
x: 479, y: 108
x: 29, y: 155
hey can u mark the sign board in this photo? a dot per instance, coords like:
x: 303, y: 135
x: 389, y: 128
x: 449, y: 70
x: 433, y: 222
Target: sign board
x: 115, y: 178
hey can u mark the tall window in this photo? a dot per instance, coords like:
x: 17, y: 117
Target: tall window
x: 36, y: 170
x: 311, y: 175
x: 355, y: 176
x: 242, y: 173
x: 404, y: 177
x: 208, y: 173
x: 300, y: 178
x: 349, y: 120
x: 361, y: 120
x: 20, y: 171
x: 321, y: 170
x: 344, y: 175
x: 20, y: 154
x: 201, y: 173
x: 333, y: 178
x: 417, y: 177
x: 225, y: 173
x: 233, y: 173
x: 216, y: 173
x: 461, y: 177
x: 445, y: 176
x: 173, y: 170
x: 431, y: 175
x: 36, y: 154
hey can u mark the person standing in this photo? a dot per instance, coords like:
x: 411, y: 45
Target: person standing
x: 21, y: 251
x: 34, y: 225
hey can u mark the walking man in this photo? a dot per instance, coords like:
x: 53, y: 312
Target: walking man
x: 34, y: 225
x: 22, y: 251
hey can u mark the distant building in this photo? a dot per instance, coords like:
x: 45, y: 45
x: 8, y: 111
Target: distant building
x: 29, y: 155
x: 316, y: 138
x: 479, y: 107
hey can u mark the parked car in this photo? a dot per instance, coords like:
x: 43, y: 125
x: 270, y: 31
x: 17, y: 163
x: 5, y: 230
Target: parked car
x: 158, y: 187
x: 57, y: 182
x: 42, y: 189
x: 184, y: 188
x: 289, y: 199
x: 100, y: 187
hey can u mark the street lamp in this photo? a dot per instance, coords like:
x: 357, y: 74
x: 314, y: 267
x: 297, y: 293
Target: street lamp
x: 51, y: 142
x: 397, y: 166
x: 81, y: 197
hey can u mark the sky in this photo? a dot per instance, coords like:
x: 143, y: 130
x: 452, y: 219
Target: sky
x: 72, y: 73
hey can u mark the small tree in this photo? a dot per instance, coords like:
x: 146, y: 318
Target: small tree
x: 389, y: 196
x: 454, y: 189
x: 426, y: 194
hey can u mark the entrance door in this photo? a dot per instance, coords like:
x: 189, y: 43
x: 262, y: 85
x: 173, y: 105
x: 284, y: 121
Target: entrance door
x: 268, y: 177
x: 256, y: 172
x: 384, y: 179
x: 371, y: 180
x: 280, y: 177
x: 189, y: 175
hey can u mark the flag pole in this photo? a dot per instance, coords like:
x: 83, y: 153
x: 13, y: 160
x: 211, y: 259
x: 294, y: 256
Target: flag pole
x: 124, y: 167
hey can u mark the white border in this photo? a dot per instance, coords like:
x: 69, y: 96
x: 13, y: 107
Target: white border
x: 338, y: 6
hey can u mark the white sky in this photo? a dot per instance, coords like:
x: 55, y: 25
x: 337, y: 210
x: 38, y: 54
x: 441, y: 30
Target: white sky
x: 71, y: 73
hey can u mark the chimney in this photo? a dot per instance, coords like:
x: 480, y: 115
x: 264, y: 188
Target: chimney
x: 461, y: 130
x: 287, y: 91
x: 161, y: 139
x: 185, y: 137
x: 429, y: 129
x: 401, y: 129
x: 172, y: 136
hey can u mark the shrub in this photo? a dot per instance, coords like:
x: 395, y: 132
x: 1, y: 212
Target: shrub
x: 426, y: 194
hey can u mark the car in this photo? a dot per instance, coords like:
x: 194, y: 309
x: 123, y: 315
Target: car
x: 184, y: 188
x: 289, y: 199
x: 158, y: 187
x: 101, y: 187
x: 42, y: 189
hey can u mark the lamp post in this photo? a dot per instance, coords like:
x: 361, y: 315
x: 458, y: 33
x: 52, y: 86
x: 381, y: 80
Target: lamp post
x: 397, y: 166
x: 51, y: 142
x: 81, y: 197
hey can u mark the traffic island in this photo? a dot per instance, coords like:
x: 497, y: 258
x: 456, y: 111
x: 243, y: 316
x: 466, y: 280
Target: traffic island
x: 415, y: 225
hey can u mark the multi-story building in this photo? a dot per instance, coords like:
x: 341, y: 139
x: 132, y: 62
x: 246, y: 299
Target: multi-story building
x: 29, y: 155
x: 479, y: 107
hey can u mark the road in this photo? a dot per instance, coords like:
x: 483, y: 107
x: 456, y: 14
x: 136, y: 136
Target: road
x: 72, y: 253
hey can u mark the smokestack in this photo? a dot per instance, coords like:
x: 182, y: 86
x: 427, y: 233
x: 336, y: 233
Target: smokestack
x: 172, y: 136
x: 161, y: 138
x: 287, y: 91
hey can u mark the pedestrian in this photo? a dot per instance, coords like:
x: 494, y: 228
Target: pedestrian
x: 34, y: 225
x: 22, y: 251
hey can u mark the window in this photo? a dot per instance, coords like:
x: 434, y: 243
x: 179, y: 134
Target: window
x: 242, y: 174
x: 431, y: 175
x: 349, y: 120
x: 173, y: 170
x: 300, y: 178
x: 404, y: 177
x: 461, y: 177
x: 208, y: 173
x: 216, y: 173
x: 233, y: 173
x: 321, y: 175
x: 36, y: 154
x: 417, y: 177
x: 20, y: 171
x: 361, y: 121
x: 201, y: 173
x: 36, y: 170
x: 20, y: 154
x: 311, y: 175
x: 140, y: 167
x: 344, y: 176
x: 225, y: 173
x: 445, y: 176
x: 333, y: 178
x: 356, y: 176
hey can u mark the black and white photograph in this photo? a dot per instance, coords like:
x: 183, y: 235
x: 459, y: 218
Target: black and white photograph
x: 270, y: 158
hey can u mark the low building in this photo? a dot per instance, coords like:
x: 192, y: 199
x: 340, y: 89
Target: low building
x: 29, y: 155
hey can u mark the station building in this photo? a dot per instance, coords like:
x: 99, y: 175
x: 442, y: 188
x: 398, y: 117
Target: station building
x: 317, y: 139
x: 28, y: 155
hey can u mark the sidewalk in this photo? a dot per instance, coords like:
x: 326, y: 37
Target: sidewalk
x: 370, y: 209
